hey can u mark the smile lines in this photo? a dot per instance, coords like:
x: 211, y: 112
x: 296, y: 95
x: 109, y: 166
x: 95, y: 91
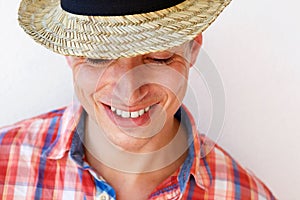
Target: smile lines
x: 126, y: 114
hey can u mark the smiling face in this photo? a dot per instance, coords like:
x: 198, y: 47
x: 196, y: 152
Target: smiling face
x: 134, y: 100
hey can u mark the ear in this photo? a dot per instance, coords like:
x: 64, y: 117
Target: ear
x: 195, y: 48
x: 69, y: 60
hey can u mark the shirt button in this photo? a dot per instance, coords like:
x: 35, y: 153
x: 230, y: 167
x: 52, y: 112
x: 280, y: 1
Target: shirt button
x: 103, y: 196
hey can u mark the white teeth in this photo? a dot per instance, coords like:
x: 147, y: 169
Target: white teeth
x: 119, y: 112
x: 147, y: 109
x: 141, y: 112
x: 126, y: 114
x: 134, y: 114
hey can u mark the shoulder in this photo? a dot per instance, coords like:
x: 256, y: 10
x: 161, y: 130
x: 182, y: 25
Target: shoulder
x: 228, y: 176
x: 32, y: 131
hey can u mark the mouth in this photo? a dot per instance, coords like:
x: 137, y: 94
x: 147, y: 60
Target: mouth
x: 130, y: 118
x: 127, y: 114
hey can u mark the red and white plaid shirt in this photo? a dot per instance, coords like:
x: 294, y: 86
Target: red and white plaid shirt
x: 43, y: 158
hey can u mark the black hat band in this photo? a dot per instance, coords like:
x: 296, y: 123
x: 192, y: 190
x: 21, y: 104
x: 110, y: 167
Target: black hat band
x: 115, y: 7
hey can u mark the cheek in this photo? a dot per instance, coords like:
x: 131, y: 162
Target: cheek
x: 86, y: 79
x: 173, y: 78
x: 178, y: 93
x: 180, y: 81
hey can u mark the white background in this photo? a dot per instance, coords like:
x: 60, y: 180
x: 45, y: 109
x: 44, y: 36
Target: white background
x: 254, y: 45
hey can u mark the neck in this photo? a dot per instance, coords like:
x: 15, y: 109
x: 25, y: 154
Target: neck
x: 146, y: 169
x: 135, y: 186
x: 160, y: 151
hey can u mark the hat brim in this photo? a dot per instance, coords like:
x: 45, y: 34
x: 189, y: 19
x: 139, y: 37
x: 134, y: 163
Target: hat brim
x: 116, y: 36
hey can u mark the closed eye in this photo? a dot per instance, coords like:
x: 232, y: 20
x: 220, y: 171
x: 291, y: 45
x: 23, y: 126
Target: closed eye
x: 160, y: 60
x: 97, y: 61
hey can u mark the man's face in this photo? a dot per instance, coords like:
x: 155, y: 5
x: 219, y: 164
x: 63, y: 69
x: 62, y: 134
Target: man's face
x: 132, y: 100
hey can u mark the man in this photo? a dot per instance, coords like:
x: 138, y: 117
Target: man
x: 128, y: 136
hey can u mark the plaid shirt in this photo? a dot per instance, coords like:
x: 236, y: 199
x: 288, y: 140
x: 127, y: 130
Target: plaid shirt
x: 43, y: 158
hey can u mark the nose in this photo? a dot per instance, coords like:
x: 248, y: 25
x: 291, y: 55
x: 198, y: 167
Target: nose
x: 129, y: 85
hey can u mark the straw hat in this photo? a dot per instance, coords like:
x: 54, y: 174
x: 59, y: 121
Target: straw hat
x: 105, y: 29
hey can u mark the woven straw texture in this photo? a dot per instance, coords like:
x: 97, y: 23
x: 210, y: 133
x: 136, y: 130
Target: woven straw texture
x: 116, y: 36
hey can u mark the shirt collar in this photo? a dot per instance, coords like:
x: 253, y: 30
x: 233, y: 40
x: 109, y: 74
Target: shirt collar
x: 68, y: 125
x: 196, y: 165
